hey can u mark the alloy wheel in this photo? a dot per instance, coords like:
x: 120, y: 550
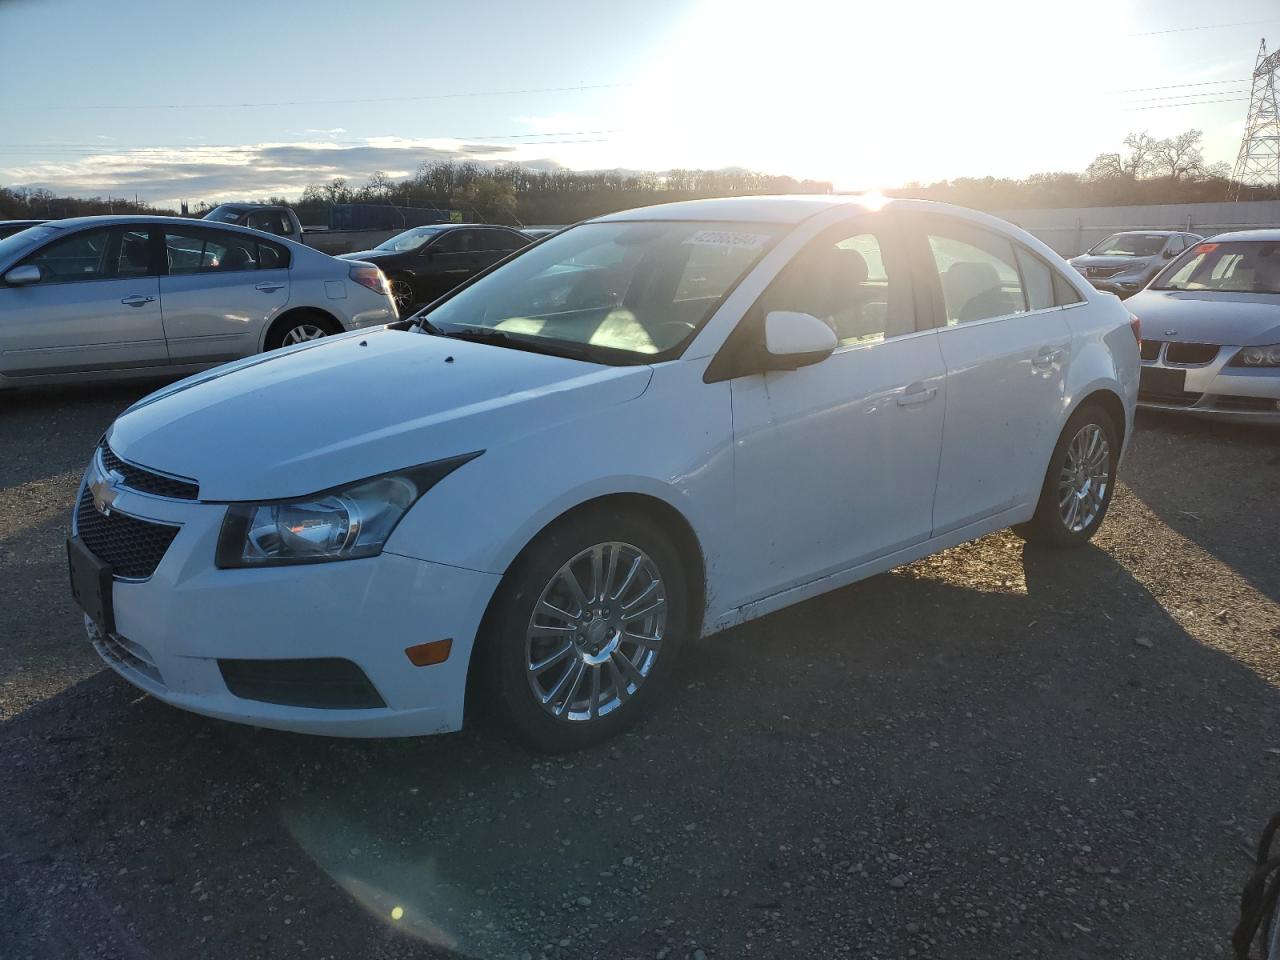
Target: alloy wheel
x: 402, y: 294
x: 1085, y: 478
x: 596, y: 632
x: 302, y: 333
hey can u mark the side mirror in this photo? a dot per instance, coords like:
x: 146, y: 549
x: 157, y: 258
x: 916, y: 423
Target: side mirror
x: 796, y: 339
x: 22, y: 276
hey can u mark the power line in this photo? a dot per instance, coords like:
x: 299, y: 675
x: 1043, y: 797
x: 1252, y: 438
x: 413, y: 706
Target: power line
x: 1175, y: 86
x: 310, y: 103
x: 1203, y: 26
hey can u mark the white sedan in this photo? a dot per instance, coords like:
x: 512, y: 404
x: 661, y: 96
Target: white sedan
x: 108, y: 298
x: 645, y: 429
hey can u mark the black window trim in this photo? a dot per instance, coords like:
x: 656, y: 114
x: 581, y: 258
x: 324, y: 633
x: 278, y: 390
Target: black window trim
x: 115, y: 233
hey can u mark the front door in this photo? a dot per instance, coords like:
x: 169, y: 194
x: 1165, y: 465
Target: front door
x: 836, y: 463
x: 449, y: 261
x: 96, y: 307
x: 1006, y: 346
x: 221, y: 292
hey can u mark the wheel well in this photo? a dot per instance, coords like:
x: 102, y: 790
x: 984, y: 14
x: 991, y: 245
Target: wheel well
x: 666, y: 517
x: 1111, y: 404
x: 289, y: 316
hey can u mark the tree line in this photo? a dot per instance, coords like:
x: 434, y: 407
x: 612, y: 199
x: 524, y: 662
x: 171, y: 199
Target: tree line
x: 1147, y: 170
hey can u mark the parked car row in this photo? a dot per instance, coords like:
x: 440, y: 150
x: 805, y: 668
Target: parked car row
x: 641, y: 430
x: 1211, y: 309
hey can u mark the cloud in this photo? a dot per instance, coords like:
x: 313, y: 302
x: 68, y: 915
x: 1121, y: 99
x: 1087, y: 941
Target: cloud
x: 170, y: 174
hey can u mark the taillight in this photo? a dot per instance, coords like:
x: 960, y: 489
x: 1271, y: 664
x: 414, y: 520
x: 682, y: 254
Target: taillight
x: 369, y: 276
x: 1136, y: 326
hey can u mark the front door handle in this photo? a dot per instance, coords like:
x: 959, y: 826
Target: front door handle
x: 268, y: 286
x: 1047, y: 357
x: 137, y: 300
x: 915, y: 396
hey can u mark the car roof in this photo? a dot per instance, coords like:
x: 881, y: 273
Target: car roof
x: 1150, y: 233
x: 1260, y: 235
x: 112, y: 220
x: 783, y: 209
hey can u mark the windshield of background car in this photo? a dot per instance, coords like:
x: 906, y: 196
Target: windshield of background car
x: 1129, y: 245
x: 225, y: 214
x: 24, y: 239
x: 638, y: 287
x: 1250, y: 266
x: 409, y: 240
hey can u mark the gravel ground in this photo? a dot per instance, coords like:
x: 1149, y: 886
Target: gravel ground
x: 992, y: 752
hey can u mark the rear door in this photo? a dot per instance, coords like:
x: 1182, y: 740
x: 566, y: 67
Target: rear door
x: 95, y: 308
x: 221, y: 290
x: 1006, y: 346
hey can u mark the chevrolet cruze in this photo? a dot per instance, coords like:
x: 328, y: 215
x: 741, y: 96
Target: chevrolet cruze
x: 637, y: 432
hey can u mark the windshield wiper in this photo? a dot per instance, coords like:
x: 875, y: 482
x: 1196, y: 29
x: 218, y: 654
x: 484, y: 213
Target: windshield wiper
x: 532, y: 344
x: 426, y: 326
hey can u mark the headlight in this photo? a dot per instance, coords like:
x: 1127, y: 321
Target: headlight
x: 339, y: 524
x: 1257, y: 357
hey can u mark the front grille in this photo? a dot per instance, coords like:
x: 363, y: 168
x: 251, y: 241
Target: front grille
x: 1191, y: 352
x: 327, y: 683
x: 131, y: 546
x: 1261, y: 404
x: 148, y: 481
x: 1184, y: 399
x: 1151, y: 349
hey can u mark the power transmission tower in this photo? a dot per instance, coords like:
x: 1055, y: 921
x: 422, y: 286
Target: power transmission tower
x: 1258, y: 163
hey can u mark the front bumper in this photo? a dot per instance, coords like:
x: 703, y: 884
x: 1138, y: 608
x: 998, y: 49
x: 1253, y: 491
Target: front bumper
x: 1217, y: 391
x: 173, y: 628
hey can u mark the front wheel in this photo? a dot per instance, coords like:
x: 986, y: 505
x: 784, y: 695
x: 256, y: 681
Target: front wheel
x: 402, y: 293
x: 585, y: 631
x: 1079, y: 483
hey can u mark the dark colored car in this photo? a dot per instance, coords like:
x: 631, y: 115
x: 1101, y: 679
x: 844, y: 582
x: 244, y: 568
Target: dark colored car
x: 9, y: 227
x: 1124, y: 263
x: 424, y: 263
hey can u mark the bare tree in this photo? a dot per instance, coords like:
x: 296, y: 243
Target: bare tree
x: 1180, y: 157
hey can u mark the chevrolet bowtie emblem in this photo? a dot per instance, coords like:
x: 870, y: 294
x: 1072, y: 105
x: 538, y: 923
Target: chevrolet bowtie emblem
x: 104, y: 491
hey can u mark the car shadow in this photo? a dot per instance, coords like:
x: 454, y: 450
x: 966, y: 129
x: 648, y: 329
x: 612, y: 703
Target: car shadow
x: 993, y: 768
x: 1172, y: 453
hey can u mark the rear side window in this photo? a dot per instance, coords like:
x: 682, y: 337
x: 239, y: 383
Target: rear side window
x: 978, y: 271
x: 1037, y: 277
x: 212, y: 251
x: 271, y: 221
x: 1064, y: 293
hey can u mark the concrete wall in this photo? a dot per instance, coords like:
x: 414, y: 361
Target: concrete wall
x: 347, y: 241
x: 1072, y: 230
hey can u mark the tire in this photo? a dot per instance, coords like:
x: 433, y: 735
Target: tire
x: 551, y: 709
x: 299, y: 328
x: 1050, y: 525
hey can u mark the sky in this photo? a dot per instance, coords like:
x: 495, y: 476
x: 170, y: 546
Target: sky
x: 237, y: 100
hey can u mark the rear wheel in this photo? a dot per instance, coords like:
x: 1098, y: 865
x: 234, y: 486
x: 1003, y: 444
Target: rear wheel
x: 300, y: 328
x: 585, y: 631
x: 1079, y: 483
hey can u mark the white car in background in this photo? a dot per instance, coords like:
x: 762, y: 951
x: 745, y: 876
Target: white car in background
x: 1213, y: 330
x: 642, y: 430
x: 98, y: 298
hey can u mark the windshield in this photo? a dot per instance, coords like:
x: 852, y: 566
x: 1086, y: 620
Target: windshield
x: 1246, y: 267
x: 409, y: 240
x: 640, y: 288
x: 225, y: 214
x: 15, y: 243
x: 1129, y: 245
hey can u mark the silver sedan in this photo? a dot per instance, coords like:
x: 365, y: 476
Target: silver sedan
x: 100, y: 298
x: 1211, y: 330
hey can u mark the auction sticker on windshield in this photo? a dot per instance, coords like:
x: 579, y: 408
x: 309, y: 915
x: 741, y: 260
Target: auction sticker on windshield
x: 728, y: 238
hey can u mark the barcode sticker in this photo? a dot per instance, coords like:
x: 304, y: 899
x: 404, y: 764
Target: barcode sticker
x: 728, y: 238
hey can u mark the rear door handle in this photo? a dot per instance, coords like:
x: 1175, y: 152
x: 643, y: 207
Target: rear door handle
x: 916, y: 394
x: 1047, y: 357
x: 268, y: 286
x: 137, y: 300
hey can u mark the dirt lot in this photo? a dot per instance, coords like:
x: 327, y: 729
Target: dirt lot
x: 994, y: 752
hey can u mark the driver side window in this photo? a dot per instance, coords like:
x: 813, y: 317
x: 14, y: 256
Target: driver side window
x: 848, y: 278
x: 81, y: 256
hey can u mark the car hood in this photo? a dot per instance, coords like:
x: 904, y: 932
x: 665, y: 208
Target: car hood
x: 318, y: 415
x: 1202, y: 316
x: 1136, y: 263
